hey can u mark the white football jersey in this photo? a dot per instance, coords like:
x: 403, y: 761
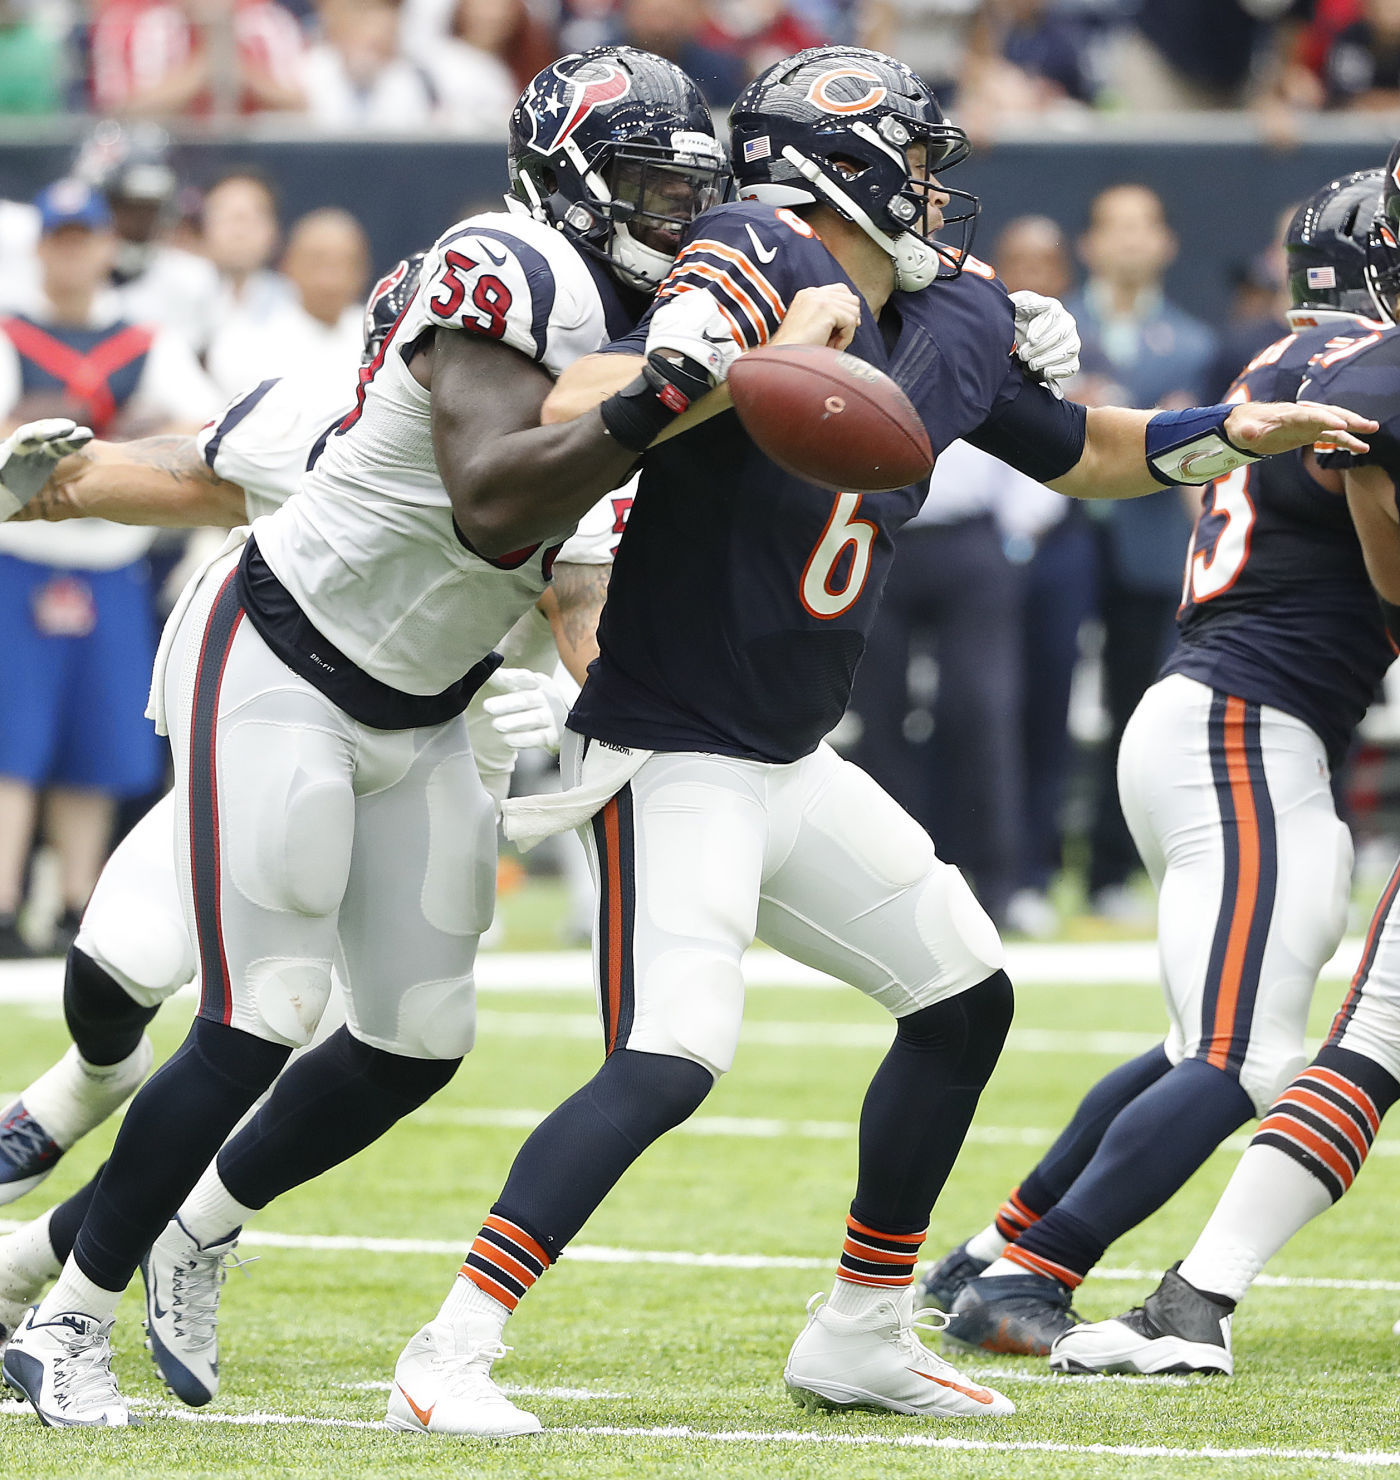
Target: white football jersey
x: 265, y: 437
x: 368, y: 549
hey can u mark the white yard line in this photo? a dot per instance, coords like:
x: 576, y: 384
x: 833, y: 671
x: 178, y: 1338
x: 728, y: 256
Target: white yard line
x: 1372, y: 1459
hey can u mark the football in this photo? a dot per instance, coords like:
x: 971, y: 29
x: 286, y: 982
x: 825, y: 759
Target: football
x: 830, y: 418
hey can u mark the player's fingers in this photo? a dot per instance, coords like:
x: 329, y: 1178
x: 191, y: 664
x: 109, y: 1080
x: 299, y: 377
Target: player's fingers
x: 522, y: 703
x: 513, y: 680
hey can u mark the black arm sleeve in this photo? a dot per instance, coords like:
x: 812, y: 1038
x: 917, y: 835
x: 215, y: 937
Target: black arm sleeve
x: 1035, y: 432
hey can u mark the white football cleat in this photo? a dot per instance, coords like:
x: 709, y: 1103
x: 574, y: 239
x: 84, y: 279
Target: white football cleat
x: 183, y: 1283
x: 877, y: 1362
x: 442, y: 1385
x: 64, y: 1368
x: 1177, y: 1329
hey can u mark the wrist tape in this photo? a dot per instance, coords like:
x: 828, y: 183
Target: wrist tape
x: 1191, y: 446
x: 637, y: 414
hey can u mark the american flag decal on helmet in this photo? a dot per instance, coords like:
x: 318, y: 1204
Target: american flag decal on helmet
x: 562, y: 103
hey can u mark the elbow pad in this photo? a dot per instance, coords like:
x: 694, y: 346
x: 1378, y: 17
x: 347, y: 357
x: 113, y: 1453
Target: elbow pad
x: 1191, y: 446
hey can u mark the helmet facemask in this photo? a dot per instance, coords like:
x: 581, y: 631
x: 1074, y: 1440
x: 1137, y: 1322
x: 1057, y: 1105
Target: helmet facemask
x: 1383, y: 266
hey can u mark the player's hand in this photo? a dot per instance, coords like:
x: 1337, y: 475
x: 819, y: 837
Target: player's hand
x: 526, y: 708
x: 1267, y: 427
x: 28, y: 456
x: 827, y: 315
x: 1047, y: 338
x: 692, y: 325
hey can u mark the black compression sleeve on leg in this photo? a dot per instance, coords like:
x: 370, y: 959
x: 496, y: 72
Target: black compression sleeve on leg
x: 105, y: 1022
x: 67, y: 1217
x: 330, y: 1104
x: 921, y: 1102
x: 170, y: 1134
x: 573, y: 1158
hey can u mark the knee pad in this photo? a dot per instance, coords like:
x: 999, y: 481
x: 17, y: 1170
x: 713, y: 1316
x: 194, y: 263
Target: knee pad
x: 287, y: 998
x: 145, y: 949
x: 968, y: 1030
x: 957, y: 931
x: 690, y: 1006
x: 291, y: 850
x: 436, y: 1020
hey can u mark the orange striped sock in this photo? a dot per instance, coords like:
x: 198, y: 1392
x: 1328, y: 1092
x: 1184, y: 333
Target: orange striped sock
x: 504, y: 1261
x: 1014, y: 1217
x: 880, y: 1260
x: 1037, y: 1264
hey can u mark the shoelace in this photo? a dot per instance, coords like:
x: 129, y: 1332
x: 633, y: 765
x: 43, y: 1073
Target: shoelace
x: 31, y: 1140
x: 471, y: 1368
x: 196, y: 1282
x: 82, y: 1378
x: 910, y: 1344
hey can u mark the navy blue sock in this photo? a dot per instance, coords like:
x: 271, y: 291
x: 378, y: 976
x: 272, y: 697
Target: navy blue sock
x: 330, y: 1104
x: 921, y: 1102
x: 170, y: 1134
x: 67, y: 1218
x: 572, y: 1159
x: 103, y: 1020
x: 1148, y: 1153
x: 1051, y: 1177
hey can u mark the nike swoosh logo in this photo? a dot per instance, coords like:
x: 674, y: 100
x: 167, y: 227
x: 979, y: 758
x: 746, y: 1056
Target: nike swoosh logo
x: 764, y: 254
x: 423, y: 1415
x: 978, y: 1395
x: 500, y: 262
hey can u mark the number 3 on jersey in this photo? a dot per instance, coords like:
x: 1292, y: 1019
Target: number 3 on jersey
x: 1220, y: 546
x: 837, y: 568
x: 489, y: 294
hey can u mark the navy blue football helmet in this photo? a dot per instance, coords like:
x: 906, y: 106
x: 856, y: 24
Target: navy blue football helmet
x: 835, y: 124
x: 616, y: 148
x: 1383, y: 247
x: 387, y: 300
x: 1328, y: 248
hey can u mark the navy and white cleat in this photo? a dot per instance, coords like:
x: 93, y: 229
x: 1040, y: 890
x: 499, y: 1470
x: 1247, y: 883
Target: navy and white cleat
x: 64, y: 1368
x: 1177, y: 1329
x: 28, y: 1153
x: 183, y: 1284
x: 1019, y: 1314
x: 942, y: 1283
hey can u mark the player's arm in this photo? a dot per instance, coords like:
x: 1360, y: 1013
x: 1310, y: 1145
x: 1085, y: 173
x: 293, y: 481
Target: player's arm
x: 1371, y: 498
x: 573, y: 604
x: 162, y: 481
x: 1130, y: 453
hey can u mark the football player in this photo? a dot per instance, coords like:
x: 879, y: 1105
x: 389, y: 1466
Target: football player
x: 314, y: 676
x: 738, y: 608
x: 1316, y: 1135
x: 1225, y: 778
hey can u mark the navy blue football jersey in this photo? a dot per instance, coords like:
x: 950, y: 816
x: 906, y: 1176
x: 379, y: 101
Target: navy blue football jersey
x: 742, y: 596
x: 1276, y: 606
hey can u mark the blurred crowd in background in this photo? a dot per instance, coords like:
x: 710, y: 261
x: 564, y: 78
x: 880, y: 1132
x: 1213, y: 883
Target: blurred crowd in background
x: 456, y: 65
x: 1019, y: 627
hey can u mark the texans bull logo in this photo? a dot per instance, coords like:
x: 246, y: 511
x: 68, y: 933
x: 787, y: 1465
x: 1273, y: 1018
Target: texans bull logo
x: 564, y: 102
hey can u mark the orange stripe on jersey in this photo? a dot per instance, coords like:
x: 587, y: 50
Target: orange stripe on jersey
x: 516, y: 1234
x: 1247, y: 887
x: 1309, y: 1099
x: 1300, y: 1135
x: 746, y: 269
x: 751, y: 310
x: 1344, y: 1087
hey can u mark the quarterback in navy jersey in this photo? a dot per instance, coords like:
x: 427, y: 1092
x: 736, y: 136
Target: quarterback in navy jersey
x: 741, y: 596
x: 1224, y: 774
x: 1317, y: 1133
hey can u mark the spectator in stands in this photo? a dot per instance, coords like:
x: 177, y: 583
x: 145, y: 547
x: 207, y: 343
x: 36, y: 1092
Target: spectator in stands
x: 167, y: 57
x: 74, y: 598
x: 1185, y: 54
x: 322, y: 333
x: 33, y: 68
x: 1024, y: 56
x: 1159, y: 355
x: 474, y: 67
x: 673, y: 29
x: 1362, y: 68
x: 241, y: 234
x: 760, y: 32
x: 357, y: 75
x: 1054, y: 538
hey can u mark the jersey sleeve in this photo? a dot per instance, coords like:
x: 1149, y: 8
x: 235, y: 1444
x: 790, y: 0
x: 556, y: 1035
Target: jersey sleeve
x: 489, y: 281
x: 746, y: 258
x: 1033, y: 431
x: 1363, y: 376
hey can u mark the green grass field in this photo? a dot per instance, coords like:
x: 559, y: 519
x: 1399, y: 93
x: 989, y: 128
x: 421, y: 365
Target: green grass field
x: 646, y: 1365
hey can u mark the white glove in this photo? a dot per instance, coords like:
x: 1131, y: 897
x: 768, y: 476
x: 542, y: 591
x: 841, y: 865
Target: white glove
x: 692, y: 324
x: 526, y: 708
x: 1047, y: 338
x: 28, y: 455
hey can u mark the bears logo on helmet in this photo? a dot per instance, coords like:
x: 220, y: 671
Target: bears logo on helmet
x: 825, y: 93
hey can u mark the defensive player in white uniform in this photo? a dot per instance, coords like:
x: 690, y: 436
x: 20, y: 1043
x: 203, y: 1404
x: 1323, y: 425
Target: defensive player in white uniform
x: 313, y: 680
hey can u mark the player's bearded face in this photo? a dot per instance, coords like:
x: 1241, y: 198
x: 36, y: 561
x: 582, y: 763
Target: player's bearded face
x: 664, y: 199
